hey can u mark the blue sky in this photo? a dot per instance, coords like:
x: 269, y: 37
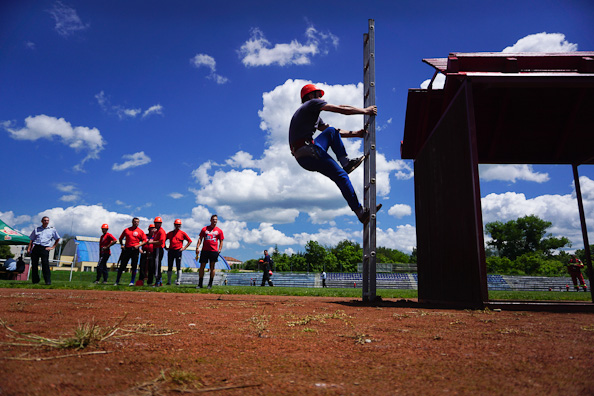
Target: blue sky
x: 180, y: 109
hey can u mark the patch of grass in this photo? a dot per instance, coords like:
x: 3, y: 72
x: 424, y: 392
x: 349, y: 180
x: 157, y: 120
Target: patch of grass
x: 260, y: 323
x: 84, y: 281
x: 180, y: 377
x: 359, y: 338
x: 85, y: 335
x: 319, y: 318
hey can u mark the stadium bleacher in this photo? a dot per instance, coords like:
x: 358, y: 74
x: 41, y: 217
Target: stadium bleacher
x: 383, y: 280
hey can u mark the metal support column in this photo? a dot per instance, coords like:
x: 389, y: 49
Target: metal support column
x: 369, y: 186
x: 578, y: 193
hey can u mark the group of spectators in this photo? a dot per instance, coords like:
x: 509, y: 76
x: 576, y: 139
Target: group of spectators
x: 144, y: 250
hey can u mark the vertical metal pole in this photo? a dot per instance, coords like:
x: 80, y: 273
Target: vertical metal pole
x: 578, y: 193
x: 369, y: 186
x: 73, y: 259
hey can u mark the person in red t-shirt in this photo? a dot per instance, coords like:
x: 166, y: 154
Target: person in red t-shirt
x: 158, y: 243
x: 135, y: 238
x: 147, y: 259
x: 213, y: 244
x: 176, y: 240
x: 105, y: 242
x: 575, y: 270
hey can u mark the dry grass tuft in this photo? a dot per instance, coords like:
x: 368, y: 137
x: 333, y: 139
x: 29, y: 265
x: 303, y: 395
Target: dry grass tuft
x: 85, y: 335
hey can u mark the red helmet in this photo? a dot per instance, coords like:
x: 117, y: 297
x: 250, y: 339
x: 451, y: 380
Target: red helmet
x: 309, y: 88
x: 105, y: 226
x: 177, y: 221
x: 151, y: 226
x: 158, y: 219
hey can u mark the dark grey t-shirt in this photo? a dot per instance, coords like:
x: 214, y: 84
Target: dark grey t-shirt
x: 305, y: 120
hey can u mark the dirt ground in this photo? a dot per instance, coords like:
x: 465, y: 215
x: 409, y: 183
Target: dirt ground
x: 175, y: 344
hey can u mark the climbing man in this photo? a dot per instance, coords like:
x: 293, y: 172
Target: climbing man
x: 312, y: 154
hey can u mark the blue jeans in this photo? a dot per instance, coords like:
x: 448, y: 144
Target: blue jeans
x: 327, y: 166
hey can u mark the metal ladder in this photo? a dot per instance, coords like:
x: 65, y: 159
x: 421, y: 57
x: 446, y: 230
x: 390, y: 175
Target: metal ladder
x: 369, y: 180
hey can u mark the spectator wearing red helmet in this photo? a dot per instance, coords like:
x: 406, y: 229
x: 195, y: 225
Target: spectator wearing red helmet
x: 147, y: 258
x: 106, y: 241
x: 176, y: 240
x: 135, y: 238
x: 312, y: 154
x: 158, y: 243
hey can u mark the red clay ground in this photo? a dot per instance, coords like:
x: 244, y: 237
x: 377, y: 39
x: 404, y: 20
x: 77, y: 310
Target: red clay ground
x: 270, y: 345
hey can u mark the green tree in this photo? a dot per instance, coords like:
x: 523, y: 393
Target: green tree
x: 281, y: 262
x: 553, y: 268
x: 499, y: 265
x: 413, y: 255
x: 314, y: 255
x: 387, y: 255
x: 298, y: 262
x: 529, y: 264
x: 5, y: 252
x: 525, y: 235
x: 348, y: 255
x: 251, y: 264
x: 581, y: 254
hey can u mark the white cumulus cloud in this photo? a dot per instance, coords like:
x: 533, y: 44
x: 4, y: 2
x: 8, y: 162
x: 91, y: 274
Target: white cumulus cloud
x: 511, y: 173
x: 258, y: 51
x: 561, y: 210
x: 72, y: 193
x: 132, y: 161
x: 203, y: 60
x: 67, y: 20
x: 542, y: 42
x: 400, y: 210
x: 125, y: 112
x: 539, y: 42
x: 272, y: 187
x: 79, y: 138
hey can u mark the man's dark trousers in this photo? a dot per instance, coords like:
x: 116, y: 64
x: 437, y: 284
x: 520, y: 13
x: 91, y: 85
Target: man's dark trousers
x: 39, y: 252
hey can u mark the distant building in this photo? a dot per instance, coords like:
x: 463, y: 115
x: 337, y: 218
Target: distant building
x: 233, y: 262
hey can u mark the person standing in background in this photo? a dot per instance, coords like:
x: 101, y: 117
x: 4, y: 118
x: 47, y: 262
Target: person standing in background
x: 43, y: 240
x: 213, y: 244
x: 135, y: 238
x: 106, y: 241
x: 176, y: 240
x: 158, y: 243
